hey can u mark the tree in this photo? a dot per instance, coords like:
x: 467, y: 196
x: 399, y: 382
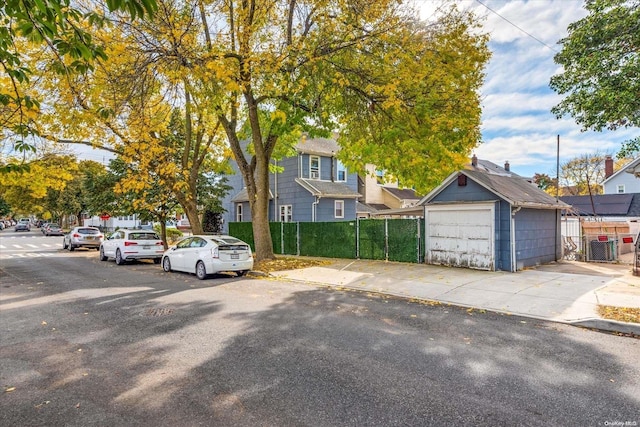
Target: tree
x: 546, y: 183
x: 4, y: 207
x: 26, y: 191
x: 601, y: 62
x: 583, y: 175
x: 63, y: 28
x: 249, y: 78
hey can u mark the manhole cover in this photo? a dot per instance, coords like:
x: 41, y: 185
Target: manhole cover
x: 157, y: 312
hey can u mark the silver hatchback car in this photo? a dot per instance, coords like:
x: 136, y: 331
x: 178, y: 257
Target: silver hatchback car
x: 83, y: 237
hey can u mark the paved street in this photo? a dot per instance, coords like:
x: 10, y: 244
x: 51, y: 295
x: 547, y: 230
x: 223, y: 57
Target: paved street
x: 89, y: 343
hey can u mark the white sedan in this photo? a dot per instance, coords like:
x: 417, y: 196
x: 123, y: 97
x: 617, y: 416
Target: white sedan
x: 125, y: 245
x: 204, y: 255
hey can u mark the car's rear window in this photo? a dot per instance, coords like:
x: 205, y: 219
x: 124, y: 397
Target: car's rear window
x: 88, y: 231
x: 144, y: 236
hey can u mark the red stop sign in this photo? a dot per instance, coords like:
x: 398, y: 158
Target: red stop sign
x: 105, y: 217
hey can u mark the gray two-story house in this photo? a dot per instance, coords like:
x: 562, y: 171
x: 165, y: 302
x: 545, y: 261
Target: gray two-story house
x: 313, y: 186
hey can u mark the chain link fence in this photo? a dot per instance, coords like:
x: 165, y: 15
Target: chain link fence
x: 380, y: 239
x: 606, y: 247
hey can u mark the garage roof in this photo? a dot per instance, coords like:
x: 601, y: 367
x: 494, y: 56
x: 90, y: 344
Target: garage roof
x: 514, y: 189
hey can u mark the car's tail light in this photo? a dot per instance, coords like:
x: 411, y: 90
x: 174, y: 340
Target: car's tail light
x: 76, y: 235
x: 130, y: 243
x: 158, y: 243
x: 215, y: 253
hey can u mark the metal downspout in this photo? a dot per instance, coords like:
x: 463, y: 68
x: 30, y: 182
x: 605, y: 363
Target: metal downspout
x: 514, y: 264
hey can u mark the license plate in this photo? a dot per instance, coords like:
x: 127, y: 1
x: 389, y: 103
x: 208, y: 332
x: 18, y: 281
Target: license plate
x: 88, y: 238
x: 235, y: 256
x: 146, y: 247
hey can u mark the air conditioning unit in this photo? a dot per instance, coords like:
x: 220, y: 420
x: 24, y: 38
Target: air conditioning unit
x: 315, y: 175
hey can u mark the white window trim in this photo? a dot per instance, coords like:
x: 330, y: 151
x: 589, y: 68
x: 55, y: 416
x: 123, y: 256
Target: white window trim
x: 335, y: 208
x: 620, y: 187
x: 312, y: 170
x: 239, y: 212
x: 339, y: 165
x: 286, y: 213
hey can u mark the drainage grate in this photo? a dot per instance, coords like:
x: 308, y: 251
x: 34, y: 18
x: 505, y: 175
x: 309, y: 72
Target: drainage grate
x: 157, y: 312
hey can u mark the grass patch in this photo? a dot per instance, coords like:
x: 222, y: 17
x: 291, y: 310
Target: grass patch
x: 621, y: 314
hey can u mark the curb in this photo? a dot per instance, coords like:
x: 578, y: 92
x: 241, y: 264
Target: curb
x: 608, y: 325
x: 592, y: 323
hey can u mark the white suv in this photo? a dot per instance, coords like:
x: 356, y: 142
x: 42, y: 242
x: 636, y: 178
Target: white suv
x: 125, y: 245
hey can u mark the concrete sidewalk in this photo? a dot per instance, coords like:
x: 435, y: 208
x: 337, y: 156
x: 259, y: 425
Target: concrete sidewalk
x: 566, y: 292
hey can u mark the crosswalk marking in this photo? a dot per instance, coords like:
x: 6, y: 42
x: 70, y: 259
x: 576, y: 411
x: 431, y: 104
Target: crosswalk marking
x: 31, y: 246
x: 17, y: 246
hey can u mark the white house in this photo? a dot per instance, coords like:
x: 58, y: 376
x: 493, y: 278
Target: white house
x: 626, y: 180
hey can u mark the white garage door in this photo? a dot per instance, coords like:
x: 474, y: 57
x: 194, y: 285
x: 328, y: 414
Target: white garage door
x: 460, y: 235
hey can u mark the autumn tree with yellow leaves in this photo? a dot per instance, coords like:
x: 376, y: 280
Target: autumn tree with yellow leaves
x: 250, y: 77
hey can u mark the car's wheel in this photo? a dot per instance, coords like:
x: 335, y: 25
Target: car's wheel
x: 156, y: 260
x: 201, y: 272
x: 64, y: 244
x: 103, y: 257
x: 166, y: 264
x: 71, y: 248
x: 119, y: 259
x: 242, y: 273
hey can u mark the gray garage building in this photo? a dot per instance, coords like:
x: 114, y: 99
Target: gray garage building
x: 487, y: 218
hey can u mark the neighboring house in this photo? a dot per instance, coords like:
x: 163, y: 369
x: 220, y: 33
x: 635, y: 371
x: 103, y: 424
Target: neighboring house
x: 625, y: 180
x: 313, y: 186
x: 612, y: 207
x: 112, y: 222
x: 381, y: 197
x: 487, y: 217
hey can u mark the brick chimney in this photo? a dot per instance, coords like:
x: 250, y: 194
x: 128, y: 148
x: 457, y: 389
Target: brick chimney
x: 474, y: 161
x: 608, y: 167
x: 507, y: 166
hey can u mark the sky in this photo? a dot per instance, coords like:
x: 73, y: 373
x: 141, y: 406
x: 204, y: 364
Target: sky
x: 517, y: 124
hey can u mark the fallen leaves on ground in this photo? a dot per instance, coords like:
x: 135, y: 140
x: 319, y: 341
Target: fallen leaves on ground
x: 286, y: 263
x: 622, y: 314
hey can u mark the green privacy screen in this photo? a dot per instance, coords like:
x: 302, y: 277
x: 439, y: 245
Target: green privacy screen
x: 382, y: 239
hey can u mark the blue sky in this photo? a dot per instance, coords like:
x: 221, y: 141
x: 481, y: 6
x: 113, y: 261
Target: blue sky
x: 517, y: 125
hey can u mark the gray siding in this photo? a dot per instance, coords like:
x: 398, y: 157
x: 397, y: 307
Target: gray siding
x: 503, y: 236
x: 472, y: 192
x: 537, y: 237
x: 287, y: 192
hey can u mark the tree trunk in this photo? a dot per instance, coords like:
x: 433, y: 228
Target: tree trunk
x: 191, y: 210
x: 259, y: 202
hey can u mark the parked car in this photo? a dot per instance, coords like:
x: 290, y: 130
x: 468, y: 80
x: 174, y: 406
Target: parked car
x: 204, y: 255
x: 43, y: 227
x: 53, y: 230
x: 82, y: 237
x: 22, y: 226
x: 125, y: 245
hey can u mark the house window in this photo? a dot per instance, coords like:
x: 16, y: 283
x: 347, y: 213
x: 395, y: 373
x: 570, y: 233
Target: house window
x: 239, y: 212
x: 380, y: 176
x: 621, y: 188
x: 286, y: 213
x: 341, y: 172
x: 314, y: 167
x: 339, y: 209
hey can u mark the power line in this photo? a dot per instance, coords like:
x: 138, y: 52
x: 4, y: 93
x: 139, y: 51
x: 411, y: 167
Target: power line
x: 516, y: 26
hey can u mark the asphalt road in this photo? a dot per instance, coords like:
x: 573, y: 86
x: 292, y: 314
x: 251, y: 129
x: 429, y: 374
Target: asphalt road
x: 89, y: 343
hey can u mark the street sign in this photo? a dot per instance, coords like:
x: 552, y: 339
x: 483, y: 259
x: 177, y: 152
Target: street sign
x: 105, y: 217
